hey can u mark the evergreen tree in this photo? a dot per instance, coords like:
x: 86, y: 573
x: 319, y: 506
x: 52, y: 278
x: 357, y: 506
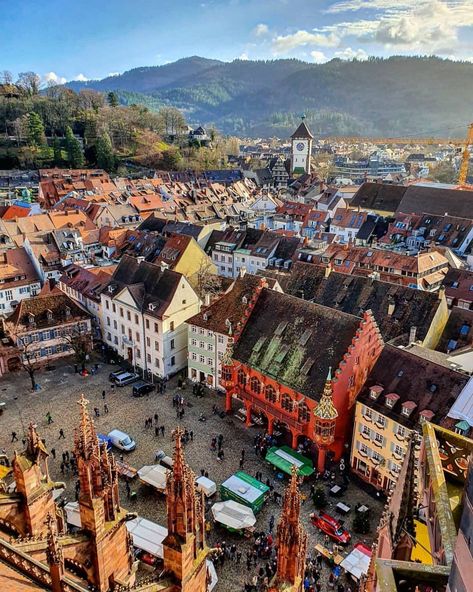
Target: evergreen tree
x: 75, y: 154
x: 319, y: 498
x: 105, y: 157
x: 112, y: 99
x: 36, y: 135
x: 57, y: 151
x: 361, y: 523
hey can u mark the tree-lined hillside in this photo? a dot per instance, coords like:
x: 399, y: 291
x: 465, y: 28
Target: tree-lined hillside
x: 395, y: 96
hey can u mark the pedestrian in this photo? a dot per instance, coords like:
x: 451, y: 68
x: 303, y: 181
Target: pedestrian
x: 241, y: 462
x: 162, y: 430
x: 61, y: 434
x: 103, y: 395
x: 206, y: 474
x: 128, y: 489
x: 53, y: 452
x: 191, y: 434
x: 156, y: 417
x: 97, y: 412
x: 49, y: 417
x: 156, y: 431
x: 105, y: 408
x: 238, y: 557
x: 220, y: 455
x: 271, y: 523
x: 14, y: 437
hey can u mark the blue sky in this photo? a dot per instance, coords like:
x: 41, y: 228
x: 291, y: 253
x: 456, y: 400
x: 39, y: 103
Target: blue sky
x: 79, y: 39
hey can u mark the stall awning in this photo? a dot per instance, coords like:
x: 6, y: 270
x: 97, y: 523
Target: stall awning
x: 285, y: 458
x: 358, y: 561
x: 147, y: 535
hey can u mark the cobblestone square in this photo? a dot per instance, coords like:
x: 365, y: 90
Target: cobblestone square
x: 60, y: 391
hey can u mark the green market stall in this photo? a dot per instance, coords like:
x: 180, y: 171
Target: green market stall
x: 284, y: 458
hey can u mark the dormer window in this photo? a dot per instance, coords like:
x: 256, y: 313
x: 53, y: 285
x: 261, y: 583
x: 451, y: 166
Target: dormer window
x: 206, y: 316
x: 49, y: 315
x: 407, y: 408
x: 110, y: 289
x: 391, y: 400
x: 427, y: 414
x: 375, y: 391
x: 152, y: 306
x: 244, y: 300
x: 31, y: 319
x: 67, y: 310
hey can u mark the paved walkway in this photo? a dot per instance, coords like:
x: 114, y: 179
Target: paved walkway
x: 61, y: 389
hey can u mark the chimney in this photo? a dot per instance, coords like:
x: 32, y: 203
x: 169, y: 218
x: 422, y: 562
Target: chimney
x: 242, y: 271
x: 207, y: 298
x: 163, y: 265
x: 328, y: 270
x: 412, y: 334
x: 391, y: 306
x: 140, y: 259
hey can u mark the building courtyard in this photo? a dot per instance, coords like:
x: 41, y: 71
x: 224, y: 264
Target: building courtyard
x: 60, y: 390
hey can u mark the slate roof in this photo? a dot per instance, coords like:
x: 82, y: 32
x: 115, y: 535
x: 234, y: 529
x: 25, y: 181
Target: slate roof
x: 294, y: 341
x: 302, y: 132
x: 355, y: 294
x: 379, y: 196
x: 153, y: 223
x: 459, y: 285
x: 422, y: 199
x: 147, y: 284
x: 413, y: 378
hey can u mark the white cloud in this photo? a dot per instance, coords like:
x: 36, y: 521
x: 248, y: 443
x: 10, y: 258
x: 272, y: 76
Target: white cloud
x: 319, y: 57
x: 284, y: 43
x: 351, y: 54
x: 81, y: 78
x: 54, y: 78
x: 261, y: 30
x: 243, y: 56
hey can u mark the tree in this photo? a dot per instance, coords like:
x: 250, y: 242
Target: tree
x: 29, y: 82
x: 57, y: 151
x: 112, y: 99
x: 30, y: 358
x: 319, y: 498
x: 75, y: 154
x: 171, y: 121
x: 105, y: 157
x: 206, y: 281
x: 361, y: 522
x: 79, y: 340
x: 36, y: 135
x: 171, y: 160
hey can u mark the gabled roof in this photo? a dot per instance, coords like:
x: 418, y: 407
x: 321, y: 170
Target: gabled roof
x: 57, y: 303
x: 416, y: 379
x: 147, y: 282
x: 379, y: 196
x: 302, y: 132
x: 294, y: 341
x: 437, y: 201
x: 356, y: 294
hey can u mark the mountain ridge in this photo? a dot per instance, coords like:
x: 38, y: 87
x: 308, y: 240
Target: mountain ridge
x: 379, y: 96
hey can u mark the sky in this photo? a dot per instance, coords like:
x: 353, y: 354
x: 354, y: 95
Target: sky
x: 87, y: 39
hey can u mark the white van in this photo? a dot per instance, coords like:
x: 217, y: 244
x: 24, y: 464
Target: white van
x: 125, y: 378
x: 121, y: 440
x: 206, y: 485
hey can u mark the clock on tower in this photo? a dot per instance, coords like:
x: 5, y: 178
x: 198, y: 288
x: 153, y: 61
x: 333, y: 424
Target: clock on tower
x: 301, y: 149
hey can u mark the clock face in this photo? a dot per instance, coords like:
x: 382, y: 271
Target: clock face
x: 300, y: 146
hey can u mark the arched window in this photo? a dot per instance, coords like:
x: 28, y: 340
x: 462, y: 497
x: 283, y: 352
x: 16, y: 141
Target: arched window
x: 304, y: 412
x: 270, y: 394
x: 255, y: 385
x: 286, y: 402
x: 241, y: 377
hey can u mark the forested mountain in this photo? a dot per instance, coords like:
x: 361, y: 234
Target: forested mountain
x: 395, y: 96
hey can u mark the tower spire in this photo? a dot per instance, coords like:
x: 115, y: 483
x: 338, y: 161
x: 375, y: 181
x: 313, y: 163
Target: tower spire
x: 54, y: 555
x: 292, y: 540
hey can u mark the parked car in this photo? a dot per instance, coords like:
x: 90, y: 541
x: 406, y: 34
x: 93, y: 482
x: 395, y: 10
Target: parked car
x: 163, y: 459
x: 331, y: 526
x: 121, y: 440
x: 125, y: 378
x: 113, y: 375
x: 141, y: 388
x: 104, y: 439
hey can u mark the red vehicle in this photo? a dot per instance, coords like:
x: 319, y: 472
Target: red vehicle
x: 331, y: 526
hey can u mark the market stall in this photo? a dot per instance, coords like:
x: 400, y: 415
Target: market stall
x: 284, y: 458
x: 233, y: 515
x: 357, y: 562
x: 154, y: 475
x: 244, y: 489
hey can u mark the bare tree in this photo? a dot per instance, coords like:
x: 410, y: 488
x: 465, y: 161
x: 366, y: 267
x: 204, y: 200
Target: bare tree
x: 6, y: 77
x: 30, y: 358
x: 79, y: 340
x: 206, y: 281
x: 29, y: 82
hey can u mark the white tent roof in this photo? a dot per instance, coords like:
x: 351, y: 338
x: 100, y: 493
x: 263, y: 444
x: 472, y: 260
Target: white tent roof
x: 463, y: 406
x: 357, y: 562
x: 233, y: 514
x: 147, y: 536
x: 154, y: 475
x: 73, y: 514
x: 213, y: 575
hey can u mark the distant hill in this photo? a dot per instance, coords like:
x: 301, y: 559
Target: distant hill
x: 395, y: 96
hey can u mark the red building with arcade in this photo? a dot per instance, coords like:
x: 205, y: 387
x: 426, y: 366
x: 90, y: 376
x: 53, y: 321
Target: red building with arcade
x: 281, y: 355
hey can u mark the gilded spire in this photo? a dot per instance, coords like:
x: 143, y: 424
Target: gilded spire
x: 325, y: 408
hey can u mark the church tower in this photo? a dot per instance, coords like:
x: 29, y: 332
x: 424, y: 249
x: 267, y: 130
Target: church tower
x: 101, y: 516
x: 184, y: 547
x: 301, y: 149
x: 291, y: 541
